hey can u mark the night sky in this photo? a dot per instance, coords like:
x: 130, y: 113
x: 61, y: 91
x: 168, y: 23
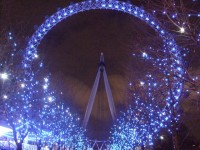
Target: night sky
x: 71, y: 51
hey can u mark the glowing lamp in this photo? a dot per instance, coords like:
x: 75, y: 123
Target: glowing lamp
x: 182, y: 30
x: 4, y: 76
x: 45, y: 87
x: 144, y: 54
x: 5, y: 97
x: 22, y: 85
x: 142, y: 83
x: 50, y: 99
x: 46, y: 79
x: 36, y: 56
x: 162, y: 137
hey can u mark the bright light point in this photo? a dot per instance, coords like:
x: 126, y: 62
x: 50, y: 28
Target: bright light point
x: 41, y: 64
x: 46, y: 79
x: 182, y: 30
x: 5, y: 97
x: 162, y: 137
x: 141, y: 83
x: 144, y: 54
x: 22, y: 85
x: 36, y: 55
x: 50, y: 99
x: 176, y: 97
x: 45, y: 87
x: 4, y: 76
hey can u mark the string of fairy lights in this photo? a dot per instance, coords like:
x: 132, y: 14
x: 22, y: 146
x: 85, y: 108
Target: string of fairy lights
x: 31, y: 107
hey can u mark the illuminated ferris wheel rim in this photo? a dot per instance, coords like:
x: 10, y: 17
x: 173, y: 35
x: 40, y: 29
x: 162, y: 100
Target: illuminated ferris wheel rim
x: 53, y: 20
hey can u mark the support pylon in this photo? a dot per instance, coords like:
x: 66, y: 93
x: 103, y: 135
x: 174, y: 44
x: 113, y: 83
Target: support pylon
x: 101, y: 70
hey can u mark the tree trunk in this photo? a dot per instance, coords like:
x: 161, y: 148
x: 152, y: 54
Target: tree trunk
x: 142, y: 147
x: 19, y: 146
x: 175, y: 141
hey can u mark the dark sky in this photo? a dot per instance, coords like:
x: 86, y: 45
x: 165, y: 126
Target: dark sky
x: 71, y: 52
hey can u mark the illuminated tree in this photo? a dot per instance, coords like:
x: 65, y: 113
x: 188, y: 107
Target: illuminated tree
x: 145, y: 116
x: 56, y: 124
x: 30, y: 108
x: 17, y: 95
x: 179, y: 17
x: 154, y: 102
x: 182, y: 18
x: 65, y: 129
